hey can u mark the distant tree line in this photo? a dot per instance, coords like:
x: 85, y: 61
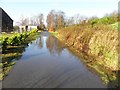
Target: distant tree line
x: 57, y: 19
x: 32, y: 21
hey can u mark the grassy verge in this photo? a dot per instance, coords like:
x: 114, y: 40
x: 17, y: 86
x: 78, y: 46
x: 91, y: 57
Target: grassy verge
x: 54, y: 33
x: 116, y: 26
x: 98, y: 46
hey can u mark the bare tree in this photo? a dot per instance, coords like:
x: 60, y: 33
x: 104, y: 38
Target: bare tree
x: 55, y: 20
x: 23, y: 21
x: 60, y: 19
x: 41, y: 22
x: 35, y: 20
x: 50, y: 20
x: 70, y: 21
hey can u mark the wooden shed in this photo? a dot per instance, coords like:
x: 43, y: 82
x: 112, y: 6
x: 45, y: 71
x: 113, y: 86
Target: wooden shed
x: 6, y: 23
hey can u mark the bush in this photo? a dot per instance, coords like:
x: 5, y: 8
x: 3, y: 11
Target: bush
x: 12, y: 40
x: 32, y: 32
x: 4, y: 42
x: 111, y: 19
x: 16, y: 39
x: 16, y: 28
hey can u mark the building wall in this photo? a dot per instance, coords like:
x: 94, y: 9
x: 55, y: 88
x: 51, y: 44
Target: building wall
x: 23, y: 28
x: 31, y: 27
x: 7, y: 22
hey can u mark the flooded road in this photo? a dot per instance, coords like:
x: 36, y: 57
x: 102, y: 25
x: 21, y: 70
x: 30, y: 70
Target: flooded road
x: 45, y: 63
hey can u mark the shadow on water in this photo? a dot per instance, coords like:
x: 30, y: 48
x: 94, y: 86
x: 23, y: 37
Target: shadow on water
x: 114, y: 84
x: 10, y: 56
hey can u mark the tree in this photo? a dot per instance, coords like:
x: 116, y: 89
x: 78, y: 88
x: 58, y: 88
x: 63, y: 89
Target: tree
x: 60, y: 20
x: 51, y: 20
x: 69, y: 21
x: 36, y: 20
x: 32, y: 21
x: 77, y: 19
x: 16, y: 28
x: 55, y: 20
x: 23, y: 21
x: 41, y: 20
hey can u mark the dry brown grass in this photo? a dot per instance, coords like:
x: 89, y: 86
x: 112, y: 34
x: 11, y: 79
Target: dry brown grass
x: 100, y: 42
x: 97, y: 46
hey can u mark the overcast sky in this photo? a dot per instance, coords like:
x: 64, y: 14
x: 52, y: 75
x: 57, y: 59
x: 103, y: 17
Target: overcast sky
x: 29, y: 8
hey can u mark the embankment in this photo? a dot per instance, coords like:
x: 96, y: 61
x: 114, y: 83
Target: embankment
x: 97, y: 45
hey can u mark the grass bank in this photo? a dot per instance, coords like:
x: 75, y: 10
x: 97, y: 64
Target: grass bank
x: 97, y: 46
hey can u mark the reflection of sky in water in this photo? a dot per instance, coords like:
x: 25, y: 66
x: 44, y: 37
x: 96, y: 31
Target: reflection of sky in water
x: 49, y: 47
x: 44, y: 41
x: 46, y: 56
x: 45, y: 45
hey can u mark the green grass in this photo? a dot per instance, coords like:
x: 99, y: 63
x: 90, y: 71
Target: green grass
x: 116, y: 25
x: 54, y: 33
x: 5, y: 35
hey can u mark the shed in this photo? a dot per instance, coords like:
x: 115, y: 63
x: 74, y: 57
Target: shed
x: 6, y: 23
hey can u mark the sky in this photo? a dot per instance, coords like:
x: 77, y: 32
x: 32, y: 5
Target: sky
x: 28, y: 8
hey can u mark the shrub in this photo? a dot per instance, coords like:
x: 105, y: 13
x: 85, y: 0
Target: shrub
x: 16, y: 39
x: 16, y: 28
x: 32, y: 31
x: 4, y: 42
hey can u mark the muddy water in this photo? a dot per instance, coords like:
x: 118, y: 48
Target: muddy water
x: 46, y: 63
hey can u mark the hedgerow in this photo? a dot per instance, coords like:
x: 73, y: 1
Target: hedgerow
x: 16, y: 39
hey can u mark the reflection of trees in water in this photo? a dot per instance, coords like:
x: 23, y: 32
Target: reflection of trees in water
x: 13, y: 53
x: 38, y: 42
x: 53, y: 45
x: 41, y: 42
x: 10, y: 56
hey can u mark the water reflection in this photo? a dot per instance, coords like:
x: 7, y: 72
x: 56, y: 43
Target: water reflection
x: 53, y: 45
x: 47, y: 56
x: 41, y: 42
x: 49, y: 42
x: 14, y: 53
x: 9, y: 58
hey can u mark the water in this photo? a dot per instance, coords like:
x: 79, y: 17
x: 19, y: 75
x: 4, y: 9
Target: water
x: 46, y: 63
